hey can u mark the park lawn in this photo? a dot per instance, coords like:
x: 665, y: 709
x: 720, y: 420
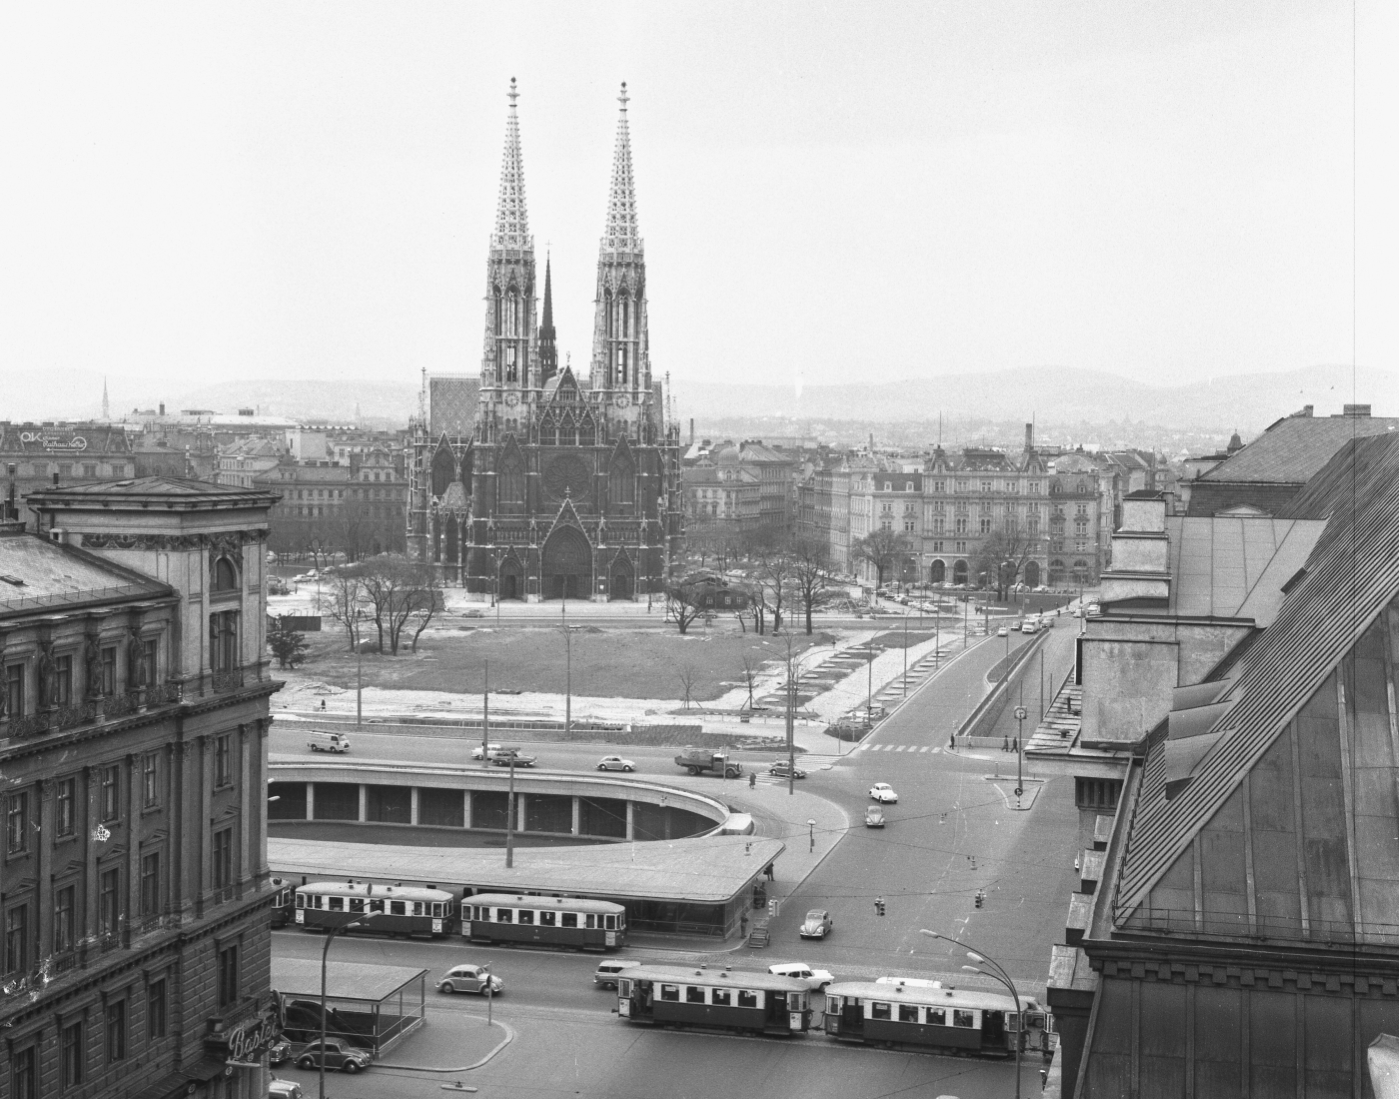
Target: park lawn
x: 612, y: 663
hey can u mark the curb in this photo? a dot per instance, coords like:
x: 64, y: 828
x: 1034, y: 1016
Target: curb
x: 509, y: 1037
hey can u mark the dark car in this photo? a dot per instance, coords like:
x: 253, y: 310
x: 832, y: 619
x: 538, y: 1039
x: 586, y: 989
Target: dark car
x: 279, y: 1051
x: 506, y: 756
x: 336, y: 1053
x: 780, y: 770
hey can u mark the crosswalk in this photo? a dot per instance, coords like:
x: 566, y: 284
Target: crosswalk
x: 898, y: 748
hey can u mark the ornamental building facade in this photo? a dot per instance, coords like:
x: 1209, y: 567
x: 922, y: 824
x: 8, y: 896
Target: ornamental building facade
x: 532, y: 482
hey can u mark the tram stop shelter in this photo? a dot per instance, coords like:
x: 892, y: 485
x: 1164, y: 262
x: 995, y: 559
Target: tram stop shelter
x: 371, y: 1006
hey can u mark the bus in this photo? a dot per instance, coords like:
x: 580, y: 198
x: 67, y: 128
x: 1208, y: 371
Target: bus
x: 397, y: 909
x: 740, y: 1000
x: 283, y: 902
x: 551, y: 921
x: 927, y: 1016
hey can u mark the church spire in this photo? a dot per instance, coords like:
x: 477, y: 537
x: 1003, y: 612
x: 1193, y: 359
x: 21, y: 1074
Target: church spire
x: 548, y: 350
x: 622, y: 230
x: 511, y: 217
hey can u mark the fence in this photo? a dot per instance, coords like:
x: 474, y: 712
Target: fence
x: 976, y: 729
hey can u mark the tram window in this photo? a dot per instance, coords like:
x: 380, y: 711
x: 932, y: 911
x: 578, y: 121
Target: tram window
x: 504, y: 915
x: 937, y: 1016
x: 610, y: 922
x: 356, y: 904
x: 624, y: 989
x: 796, y: 1001
x: 568, y: 919
x: 670, y: 992
x: 963, y: 1018
x: 526, y: 916
x: 546, y: 919
x: 748, y: 999
x: 479, y: 913
x: 300, y: 900
x: 908, y: 1013
x: 878, y: 1010
x: 398, y: 908
x: 721, y: 997
x: 832, y: 1005
x: 417, y: 908
x: 374, y: 906
x: 592, y: 920
x: 694, y: 994
x: 337, y: 904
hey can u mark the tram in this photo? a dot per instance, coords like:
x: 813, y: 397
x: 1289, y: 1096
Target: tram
x: 575, y: 922
x: 283, y: 902
x: 739, y: 1000
x: 927, y: 1016
x: 397, y: 909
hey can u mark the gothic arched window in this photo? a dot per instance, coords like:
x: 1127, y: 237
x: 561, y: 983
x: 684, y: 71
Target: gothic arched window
x: 512, y: 480
x: 621, y: 483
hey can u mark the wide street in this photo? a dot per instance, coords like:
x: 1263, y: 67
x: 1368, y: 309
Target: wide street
x: 954, y: 830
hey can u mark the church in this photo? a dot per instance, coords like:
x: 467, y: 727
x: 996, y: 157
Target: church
x: 532, y: 482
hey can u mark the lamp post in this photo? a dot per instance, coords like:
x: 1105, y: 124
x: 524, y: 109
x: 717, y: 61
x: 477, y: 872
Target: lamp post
x: 1020, y: 713
x: 996, y: 974
x: 359, y: 676
x: 486, y: 718
x: 330, y: 933
x: 510, y: 816
x: 811, y: 829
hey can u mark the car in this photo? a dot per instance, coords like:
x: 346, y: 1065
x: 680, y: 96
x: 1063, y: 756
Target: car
x: 606, y: 974
x: 883, y: 793
x: 874, y: 816
x: 470, y: 978
x: 1004, y: 631
x: 284, y: 1089
x: 780, y: 769
x: 800, y: 971
x: 479, y: 752
x: 508, y: 757
x: 334, y: 1053
x: 279, y: 1051
x: 817, y: 925
x: 615, y: 763
x: 301, y: 1022
x: 1029, y: 627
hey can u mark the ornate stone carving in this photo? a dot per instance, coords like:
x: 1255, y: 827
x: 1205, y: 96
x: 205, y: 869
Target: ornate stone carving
x: 44, y: 670
x: 92, y: 658
x: 227, y: 541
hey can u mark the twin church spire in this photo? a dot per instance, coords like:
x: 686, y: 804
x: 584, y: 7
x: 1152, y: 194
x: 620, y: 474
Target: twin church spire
x: 521, y: 357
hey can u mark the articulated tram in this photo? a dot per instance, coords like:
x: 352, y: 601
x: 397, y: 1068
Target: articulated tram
x: 924, y: 1015
x: 559, y: 921
x: 397, y: 909
x: 738, y: 1000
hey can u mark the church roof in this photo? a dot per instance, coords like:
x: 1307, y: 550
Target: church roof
x: 511, y: 217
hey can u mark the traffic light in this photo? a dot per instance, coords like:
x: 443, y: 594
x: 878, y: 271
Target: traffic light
x: 879, y: 906
x: 980, y: 897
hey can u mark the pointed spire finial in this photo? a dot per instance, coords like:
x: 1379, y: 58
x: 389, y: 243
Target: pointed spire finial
x: 513, y: 93
x: 512, y: 219
x: 623, y: 232
x: 624, y: 98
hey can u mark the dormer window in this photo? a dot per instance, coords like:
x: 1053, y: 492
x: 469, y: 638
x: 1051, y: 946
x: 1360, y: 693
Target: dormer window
x: 225, y: 575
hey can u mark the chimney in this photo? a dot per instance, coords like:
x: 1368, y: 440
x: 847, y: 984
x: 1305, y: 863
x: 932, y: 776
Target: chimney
x: 1030, y: 436
x: 692, y: 431
x: 162, y: 408
x: 1356, y: 411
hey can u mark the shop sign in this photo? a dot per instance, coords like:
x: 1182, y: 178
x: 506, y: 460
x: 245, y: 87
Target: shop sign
x: 53, y: 440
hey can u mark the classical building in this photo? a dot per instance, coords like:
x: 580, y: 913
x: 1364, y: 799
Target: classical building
x: 558, y: 486
x: 36, y: 456
x: 133, y: 729
x: 355, y: 507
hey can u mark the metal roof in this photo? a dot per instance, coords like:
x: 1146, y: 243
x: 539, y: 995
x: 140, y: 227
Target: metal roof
x: 343, y: 980
x: 1235, y: 566
x: 1293, y: 450
x: 36, y: 573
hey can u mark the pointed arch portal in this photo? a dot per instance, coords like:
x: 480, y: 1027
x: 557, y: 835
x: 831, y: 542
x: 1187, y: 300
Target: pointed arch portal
x: 567, y: 565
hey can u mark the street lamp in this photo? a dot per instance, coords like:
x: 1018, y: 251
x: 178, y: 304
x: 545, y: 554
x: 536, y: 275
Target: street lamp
x: 996, y: 974
x: 330, y: 933
x: 811, y: 828
x: 1020, y: 714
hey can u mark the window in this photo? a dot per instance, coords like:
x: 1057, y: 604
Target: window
x: 722, y: 997
x: 670, y: 992
x: 749, y: 999
x: 963, y: 1018
x: 14, y: 690
x: 62, y: 680
x: 225, y: 576
x: 150, y: 779
x: 568, y: 919
x: 1097, y: 793
x: 223, y: 753
x: 111, y: 792
x: 107, y: 671
x: 223, y: 641
x: 116, y: 1031
x: 17, y: 939
x: 24, y: 1073
x: 156, y: 1009
x: 72, y: 1054
x: 228, y: 975
x: 694, y: 994
x: 63, y: 820
x: 150, y: 884
x: 526, y: 916
x: 985, y: 524
x: 878, y: 1010
x: 65, y: 903
x: 504, y: 915
x: 546, y: 919
x: 908, y: 1013
x: 109, y: 901
x: 223, y: 859
x: 17, y: 823
x: 937, y: 1016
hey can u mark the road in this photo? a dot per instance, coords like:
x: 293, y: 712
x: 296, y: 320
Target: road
x: 953, y: 831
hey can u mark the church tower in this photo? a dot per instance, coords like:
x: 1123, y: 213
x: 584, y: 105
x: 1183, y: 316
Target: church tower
x: 621, y: 366
x: 548, y: 347
x: 510, y: 362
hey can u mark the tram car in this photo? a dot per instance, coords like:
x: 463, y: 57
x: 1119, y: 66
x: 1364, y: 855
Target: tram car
x: 927, y: 1016
x: 284, y: 902
x: 740, y: 1000
x: 513, y: 918
x: 397, y: 909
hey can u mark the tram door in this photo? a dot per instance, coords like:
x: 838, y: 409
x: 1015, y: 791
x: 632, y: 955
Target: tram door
x: 993, y: 1030
x: 852, y: 1016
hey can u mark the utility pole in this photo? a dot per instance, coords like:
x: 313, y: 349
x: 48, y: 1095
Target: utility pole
x: 510, y: 818
x: 905, y: 681
x: 568, y: 680
x: 359, y: 677
x: 791, y: 705
x: 486, y: 719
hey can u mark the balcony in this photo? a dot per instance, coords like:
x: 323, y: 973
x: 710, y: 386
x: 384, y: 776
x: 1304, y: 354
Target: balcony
x: 91, y: 711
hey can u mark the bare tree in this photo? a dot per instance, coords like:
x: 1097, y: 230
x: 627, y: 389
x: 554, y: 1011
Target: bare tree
x: 341, y: 599
x: 776, y: 579
x: 810, y: 575
x: 687, y: 676
x: 885, y: 550
x: 399, y: 593
x: 750, y: 676
x: 1002, y: 557
x: 689, y: 597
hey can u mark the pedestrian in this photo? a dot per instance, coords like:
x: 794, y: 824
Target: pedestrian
x: 1005, y: 744
x: 322, y: 704
x: 1015, y: 744
x: 768, y: 871
x: 752, y: 780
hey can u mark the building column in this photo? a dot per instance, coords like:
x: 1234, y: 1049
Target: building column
x: 466, y: 809
x: 577, y: 815
x: 363, y: 803
x: 310, y: 801
x: 413, y: 805
x: 520, y: 816
x: 631, y: 820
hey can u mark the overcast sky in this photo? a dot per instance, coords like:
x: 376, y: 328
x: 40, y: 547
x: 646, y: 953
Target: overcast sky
x: 827, y: 191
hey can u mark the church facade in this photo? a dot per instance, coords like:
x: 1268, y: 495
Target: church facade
x: 533, y: 482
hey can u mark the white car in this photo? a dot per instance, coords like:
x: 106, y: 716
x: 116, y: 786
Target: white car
x: 883, y: 793
x: 615, y: 763
x: 814, y: 978
x: 1004, y: 631
x: 480, y: 753
x: 470, y: 978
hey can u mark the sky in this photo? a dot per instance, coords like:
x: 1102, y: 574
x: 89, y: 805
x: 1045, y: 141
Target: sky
x: 829, y: 192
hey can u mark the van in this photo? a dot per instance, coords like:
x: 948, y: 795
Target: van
x: 327, y: 742
x: 606, y: 974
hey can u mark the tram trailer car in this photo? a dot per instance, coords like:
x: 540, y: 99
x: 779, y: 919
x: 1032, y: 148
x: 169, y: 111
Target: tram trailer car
x: 740, y: 1000
x: 284, y: 902
x: 512, y: 918
x: 397, y: 909
x: 927, y: 1016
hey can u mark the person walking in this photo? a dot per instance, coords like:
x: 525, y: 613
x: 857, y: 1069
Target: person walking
x: 752, y: 780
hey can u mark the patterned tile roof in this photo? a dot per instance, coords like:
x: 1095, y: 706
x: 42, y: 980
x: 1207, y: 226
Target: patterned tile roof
x: 1293, y: 450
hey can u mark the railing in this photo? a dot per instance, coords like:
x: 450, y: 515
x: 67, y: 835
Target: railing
x: 1239, y: 925
x: 90, y: 711
x: 227, y: 681
x: 78, y: 596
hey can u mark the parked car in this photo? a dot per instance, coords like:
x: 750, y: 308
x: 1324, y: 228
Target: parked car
x: 480, y: 753
x: 1029, y: 627
x: 335, y: 1053
x: 817, y: 925
x: 279, y: 1051
x: 470, y: 978
x: 800, y: 971
x: 284, y: 1089
x: 874, y: 816
x: 606, y: 974
x: 780, y: 769
x: 615, y: 763
x: 883, y: 793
